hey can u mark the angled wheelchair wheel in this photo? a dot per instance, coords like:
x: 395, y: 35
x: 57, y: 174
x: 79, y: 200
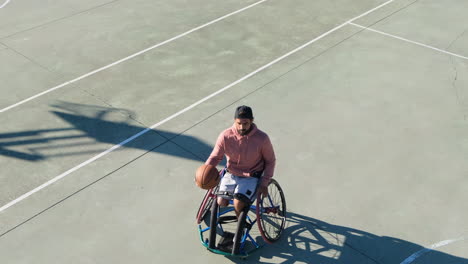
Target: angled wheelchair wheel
x: 205, y: 205
x: 271, y: 212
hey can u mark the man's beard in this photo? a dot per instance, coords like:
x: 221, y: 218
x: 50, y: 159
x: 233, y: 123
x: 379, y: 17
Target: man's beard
x: 244, y: 132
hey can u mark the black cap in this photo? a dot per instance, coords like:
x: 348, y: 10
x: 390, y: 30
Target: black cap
x: 243, y: 111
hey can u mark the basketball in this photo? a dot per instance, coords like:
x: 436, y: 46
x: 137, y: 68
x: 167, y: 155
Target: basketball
x: 207, y: 177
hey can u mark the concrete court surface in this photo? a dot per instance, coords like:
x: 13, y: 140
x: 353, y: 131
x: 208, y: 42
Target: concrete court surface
x: 370, y: 131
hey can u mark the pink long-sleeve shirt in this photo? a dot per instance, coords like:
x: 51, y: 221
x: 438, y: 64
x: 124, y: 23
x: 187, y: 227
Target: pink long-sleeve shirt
x: 245, y: 154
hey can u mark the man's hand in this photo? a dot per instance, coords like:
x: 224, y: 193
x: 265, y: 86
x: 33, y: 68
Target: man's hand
x: 263, y: 190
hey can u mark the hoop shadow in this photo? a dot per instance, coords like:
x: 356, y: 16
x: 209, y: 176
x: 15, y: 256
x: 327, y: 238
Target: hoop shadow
x: 89, y: 125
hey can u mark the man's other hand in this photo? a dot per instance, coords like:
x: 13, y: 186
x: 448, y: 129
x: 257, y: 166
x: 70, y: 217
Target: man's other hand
x: 263, y: 190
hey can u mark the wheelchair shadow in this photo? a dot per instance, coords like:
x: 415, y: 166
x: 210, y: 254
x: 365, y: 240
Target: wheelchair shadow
x: 308, y: 240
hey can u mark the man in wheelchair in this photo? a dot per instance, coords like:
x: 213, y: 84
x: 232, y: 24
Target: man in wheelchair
x: 250, y: 159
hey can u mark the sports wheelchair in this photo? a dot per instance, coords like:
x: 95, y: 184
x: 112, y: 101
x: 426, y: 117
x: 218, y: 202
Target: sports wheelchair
x: 269, y: 212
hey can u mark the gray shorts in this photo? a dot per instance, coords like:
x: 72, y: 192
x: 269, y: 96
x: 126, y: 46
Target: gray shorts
x: 234, y: 185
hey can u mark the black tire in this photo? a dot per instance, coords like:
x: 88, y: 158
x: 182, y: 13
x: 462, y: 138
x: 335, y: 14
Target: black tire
x: 271, y: 213
x: 240, y: 231
x: 213, y: 224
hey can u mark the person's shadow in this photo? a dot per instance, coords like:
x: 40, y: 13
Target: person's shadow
x: 308, y: 240
x: 88, y: 125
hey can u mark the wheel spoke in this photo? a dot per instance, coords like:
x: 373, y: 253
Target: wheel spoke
x: 272, y: 210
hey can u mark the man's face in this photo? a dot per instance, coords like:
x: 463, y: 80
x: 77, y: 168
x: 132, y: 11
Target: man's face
x: 243, y: 125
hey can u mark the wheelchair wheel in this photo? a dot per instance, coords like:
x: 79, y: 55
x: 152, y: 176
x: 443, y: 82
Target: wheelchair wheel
x: 271, y: 213
x: 205, y: 206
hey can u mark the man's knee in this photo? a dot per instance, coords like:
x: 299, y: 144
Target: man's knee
x: 223, y: 202
x: 244, y: 200
x: 238, y: 206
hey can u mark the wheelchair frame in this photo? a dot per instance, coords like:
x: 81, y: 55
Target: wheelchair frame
x: 269, y: 211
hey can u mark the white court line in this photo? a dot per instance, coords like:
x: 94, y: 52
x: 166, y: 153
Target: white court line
x: 4, y: 4
x: 411, y: 41
x: 129, y: 57
x: 423, y: 251
x: 24, y: 196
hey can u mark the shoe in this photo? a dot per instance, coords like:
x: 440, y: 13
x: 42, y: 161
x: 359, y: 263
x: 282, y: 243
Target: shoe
x: 226, y: 247
x: 226, y: 242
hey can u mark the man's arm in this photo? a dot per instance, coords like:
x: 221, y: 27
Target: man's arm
x: 270, y: 160
x: 218, y: 152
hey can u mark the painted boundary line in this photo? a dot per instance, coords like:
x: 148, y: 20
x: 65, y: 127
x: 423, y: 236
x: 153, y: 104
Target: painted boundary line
x: 423, y: 251
x: 4, y: 4
x: 26, y: 195
x: 128, y: 57
x: 410, y: 41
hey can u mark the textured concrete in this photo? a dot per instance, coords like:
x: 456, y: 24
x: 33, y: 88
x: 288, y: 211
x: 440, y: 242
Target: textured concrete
x: 35, y: 14
x: 21, y: 77
x: 79, y: 44
x: 370, y: 132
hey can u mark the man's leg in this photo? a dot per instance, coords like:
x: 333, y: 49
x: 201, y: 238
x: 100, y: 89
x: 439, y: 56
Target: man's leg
x: 226, y: 185
x: 244, y: 193
x: 238, y: 206
x: 223, y: 202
